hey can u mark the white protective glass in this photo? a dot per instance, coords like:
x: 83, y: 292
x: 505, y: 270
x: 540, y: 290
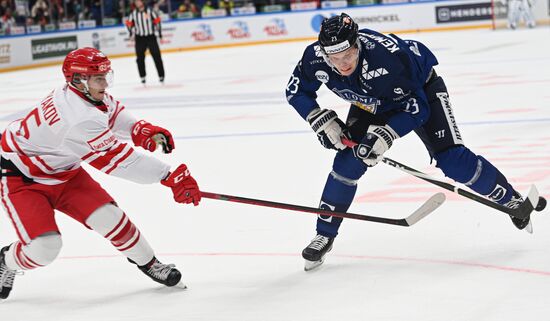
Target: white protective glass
x: 100, y: 81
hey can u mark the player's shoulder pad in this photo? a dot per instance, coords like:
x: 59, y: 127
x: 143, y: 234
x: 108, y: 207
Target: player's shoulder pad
x: 312, y: 62
x: 312, y: 54
x: 372, y: 39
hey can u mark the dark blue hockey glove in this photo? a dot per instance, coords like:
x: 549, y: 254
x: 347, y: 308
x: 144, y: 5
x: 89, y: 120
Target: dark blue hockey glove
x: 328, y: 127
x: 375, y: 143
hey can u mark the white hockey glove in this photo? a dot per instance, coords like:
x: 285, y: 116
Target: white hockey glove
x: 328, y: 127
x: 375, y: 143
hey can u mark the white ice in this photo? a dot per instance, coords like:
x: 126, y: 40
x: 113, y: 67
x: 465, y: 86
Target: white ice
x: 234, y: 129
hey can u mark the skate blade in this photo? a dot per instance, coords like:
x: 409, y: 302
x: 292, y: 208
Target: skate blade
x: 310, y: 265
x: 178, y: 286
x: 529, y: 228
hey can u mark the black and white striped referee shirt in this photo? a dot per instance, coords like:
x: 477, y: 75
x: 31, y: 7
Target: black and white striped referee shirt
x: 143, y: 23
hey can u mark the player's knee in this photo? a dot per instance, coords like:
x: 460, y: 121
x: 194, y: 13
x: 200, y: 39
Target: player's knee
x: 458, y: 163
x: 43, y: 250
x: 342, y: 182
x: 462, y: 165
x: 104, y: 219
x: 347, y: 166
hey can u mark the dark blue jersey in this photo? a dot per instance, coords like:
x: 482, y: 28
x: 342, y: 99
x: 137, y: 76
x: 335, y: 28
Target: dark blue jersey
x: 389, y: 79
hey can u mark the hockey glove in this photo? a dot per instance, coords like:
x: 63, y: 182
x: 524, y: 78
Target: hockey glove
x: 183, y: 186
x: 328, y: 127
x: 149, y: 137
x: 375, y: 143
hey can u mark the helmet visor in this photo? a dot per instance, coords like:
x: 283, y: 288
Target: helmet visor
x: 100, y: 81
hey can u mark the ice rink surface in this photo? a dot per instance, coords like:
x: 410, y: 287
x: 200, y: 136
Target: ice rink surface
x: 234, y: 129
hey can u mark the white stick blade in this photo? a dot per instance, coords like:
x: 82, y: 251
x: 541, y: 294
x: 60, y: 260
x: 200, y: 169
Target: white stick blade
x: 429, y: 206
x: 533, y: 196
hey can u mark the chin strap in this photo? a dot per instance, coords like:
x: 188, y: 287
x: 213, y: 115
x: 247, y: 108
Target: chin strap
x: 84, y: 93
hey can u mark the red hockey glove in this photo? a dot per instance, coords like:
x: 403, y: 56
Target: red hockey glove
x: 183, y: 186
x: 149, y: 136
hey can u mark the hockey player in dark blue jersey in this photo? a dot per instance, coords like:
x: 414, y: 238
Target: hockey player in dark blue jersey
x: 393, y: 90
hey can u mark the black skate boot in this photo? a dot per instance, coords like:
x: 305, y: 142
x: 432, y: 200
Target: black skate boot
x: 314, y: 253
x: 520, y: 223
x: 166, y: 274
x: 7, y: 276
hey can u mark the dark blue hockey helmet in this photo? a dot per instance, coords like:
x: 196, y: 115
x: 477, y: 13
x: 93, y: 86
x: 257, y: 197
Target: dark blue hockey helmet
x: 337, y: 34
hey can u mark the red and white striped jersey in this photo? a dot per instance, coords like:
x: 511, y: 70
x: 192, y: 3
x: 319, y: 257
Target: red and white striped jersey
x: 64, y: 129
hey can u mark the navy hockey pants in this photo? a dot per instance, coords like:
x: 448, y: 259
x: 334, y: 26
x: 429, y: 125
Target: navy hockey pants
x: 443, y: 141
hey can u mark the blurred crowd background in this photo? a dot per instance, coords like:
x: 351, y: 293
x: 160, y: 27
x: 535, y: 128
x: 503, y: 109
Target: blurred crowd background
x: 35, y: 16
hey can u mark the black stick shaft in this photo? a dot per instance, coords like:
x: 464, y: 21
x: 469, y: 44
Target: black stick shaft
x: 442, y: 184
x: 300, y: 208
x: 447, y: 186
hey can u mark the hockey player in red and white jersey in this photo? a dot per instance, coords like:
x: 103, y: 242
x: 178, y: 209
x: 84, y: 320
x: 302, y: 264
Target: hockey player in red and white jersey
x: 41, y: 157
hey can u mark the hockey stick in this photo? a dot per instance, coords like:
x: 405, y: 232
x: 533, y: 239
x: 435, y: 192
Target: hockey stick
x: 428, y: 207
x: 523, y: 211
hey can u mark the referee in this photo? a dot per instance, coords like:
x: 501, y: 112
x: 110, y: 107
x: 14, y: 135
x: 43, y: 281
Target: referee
x: 142, y: 24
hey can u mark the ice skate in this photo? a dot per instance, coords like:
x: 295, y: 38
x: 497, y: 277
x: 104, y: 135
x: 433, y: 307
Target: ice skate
x: 314, y: 253
x: 166, y: 274
x: 524, y: 223
x: 7, y: 276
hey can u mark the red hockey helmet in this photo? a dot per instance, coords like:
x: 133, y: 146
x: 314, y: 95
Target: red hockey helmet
x: 85, y: 61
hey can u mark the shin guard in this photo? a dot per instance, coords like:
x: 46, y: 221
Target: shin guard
x: 114, y: 225
x: 463, y: 166
x: 41, y: 251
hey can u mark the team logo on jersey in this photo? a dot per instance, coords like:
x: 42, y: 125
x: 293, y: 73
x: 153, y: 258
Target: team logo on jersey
x: 371, y: 74
x: 203, y: 33
x: 322, y: 76
x: 370, y: 45
x: 366, y: 103
x: 369, y: 108
x: 276, y: 27
x: 398, y: 91
x: 239, y: 30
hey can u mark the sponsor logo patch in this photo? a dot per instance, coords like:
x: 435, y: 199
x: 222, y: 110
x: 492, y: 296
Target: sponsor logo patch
x: 322, y: 76
x: 327, y: 207
x: 103, y: 141
x: 497, y: 194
